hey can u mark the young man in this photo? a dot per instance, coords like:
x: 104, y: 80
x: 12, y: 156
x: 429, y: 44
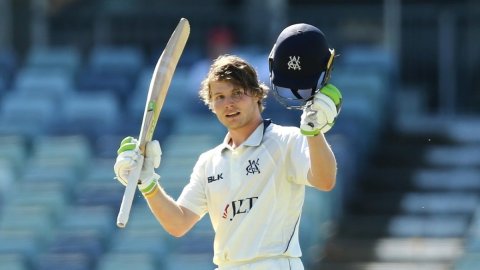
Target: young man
x: 253, y: 183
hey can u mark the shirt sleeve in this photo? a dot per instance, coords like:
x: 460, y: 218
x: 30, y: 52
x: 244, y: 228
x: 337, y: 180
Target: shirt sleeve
x: 298, y: 160
x: 193, y: 196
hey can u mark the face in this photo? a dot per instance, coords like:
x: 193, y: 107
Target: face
x: 234, y: 108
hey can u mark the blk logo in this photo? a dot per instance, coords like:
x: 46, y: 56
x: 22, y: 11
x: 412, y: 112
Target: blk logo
x: 252, y: 167
x: 215, y: 178
x: 294, y: 63
x: 242, y: 206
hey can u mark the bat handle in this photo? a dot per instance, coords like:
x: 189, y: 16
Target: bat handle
x: 128, y: 195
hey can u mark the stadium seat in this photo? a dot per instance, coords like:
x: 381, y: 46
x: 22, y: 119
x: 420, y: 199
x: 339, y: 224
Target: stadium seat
x: 90, y: 114
x: 12, y: 262
x: 32, y: 82
x: 7, y: 177
x: 101, y: 170
x: 63, y: 261
x: 8, y: 68
x: 67, y: 58
x: 105, y: 80
x: 128, y: 59
x: 99, y: 219
x: 111, y: 69
x: 368, y: 57
x: 49, y: 195
x: 19, y: 242
x: 85, y: 242
x: 14, y: 150
x: 190, y: 261
x: 462, y: 155
x: 107, y: 192
x: 140, y: 241
x: 32, y: 116
x: 467, y: 262
x: 60, y: 171
x: 124, y: 261
x: 34, y: 218
x: 73, y: 148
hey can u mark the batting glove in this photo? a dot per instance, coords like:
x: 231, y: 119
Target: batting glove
x: 319, y: 115
x: 129, y: 156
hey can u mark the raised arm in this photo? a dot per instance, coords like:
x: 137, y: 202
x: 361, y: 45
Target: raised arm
x: 318, y: 118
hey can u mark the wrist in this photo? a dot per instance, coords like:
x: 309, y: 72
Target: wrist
x: 310, y: 133
x: 148, y: 186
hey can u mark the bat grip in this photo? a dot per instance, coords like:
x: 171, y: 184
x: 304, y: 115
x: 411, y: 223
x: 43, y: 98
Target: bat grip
x: 128, y: 195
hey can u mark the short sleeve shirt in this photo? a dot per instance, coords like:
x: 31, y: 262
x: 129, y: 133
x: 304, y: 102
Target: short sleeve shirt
x: 253, y: 194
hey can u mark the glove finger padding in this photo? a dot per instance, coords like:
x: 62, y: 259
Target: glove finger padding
x: 128, y: 156
x: 334, y: 94
x: 320, y: 114
x: 153, y: 151
x: 324, y: 104
x: 125, y: 163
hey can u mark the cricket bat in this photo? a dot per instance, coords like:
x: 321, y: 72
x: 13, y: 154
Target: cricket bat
x: 157, y: 92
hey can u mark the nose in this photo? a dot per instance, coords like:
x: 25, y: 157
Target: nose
x: 229, y: 100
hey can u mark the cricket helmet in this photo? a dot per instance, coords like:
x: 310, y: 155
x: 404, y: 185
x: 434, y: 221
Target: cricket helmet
x: 300, y: 64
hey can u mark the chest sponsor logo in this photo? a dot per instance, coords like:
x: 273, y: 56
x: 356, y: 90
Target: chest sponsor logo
x: 238, y: 207
x: 213, y: 178
x: 253, y: 166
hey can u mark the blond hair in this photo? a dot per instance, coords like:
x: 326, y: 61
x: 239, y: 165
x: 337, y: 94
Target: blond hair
x: 237, y: 71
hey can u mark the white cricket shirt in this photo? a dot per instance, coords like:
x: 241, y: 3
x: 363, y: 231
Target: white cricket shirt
x: 254, y: 194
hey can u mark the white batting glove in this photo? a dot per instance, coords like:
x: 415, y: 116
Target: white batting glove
x: 320, y: 114
x: 129, y: 156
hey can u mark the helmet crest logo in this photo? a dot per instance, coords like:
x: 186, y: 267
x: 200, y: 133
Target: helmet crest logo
x: 294, y: 63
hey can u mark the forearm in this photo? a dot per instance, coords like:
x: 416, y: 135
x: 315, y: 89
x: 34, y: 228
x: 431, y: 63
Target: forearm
x: 174, y: 218
x: 323, y: 166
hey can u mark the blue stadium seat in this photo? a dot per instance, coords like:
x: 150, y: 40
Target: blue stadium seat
x: 105, y: 80
x: 467, y: 261
x: 85, y: 242
x: 33, y: 218
x: 60, y: 171
x: 111, y: 69
x: 126, y: 261
x: 17, y: 242
x: 40, y: 82
x: 99, y: 193
x: 99, y: 219
x: 61, y: 57
x: 13, y: 262
x: 14, y: 150
x: 128, y: 59
x: 141, y: 241
x: 48, y: 195
x: 8, y: 68
x: 101, y: 170
x: 32, y: 116
x: 368, y: 57
x: 190, y: 261
x: 90, y: 114
x: 63, y: 261
x: 74, y: 149
x: 7, y: 177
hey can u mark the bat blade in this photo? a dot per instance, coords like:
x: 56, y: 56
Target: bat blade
x: 161, y: 78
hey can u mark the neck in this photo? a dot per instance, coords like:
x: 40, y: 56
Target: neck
x: 238, y: 136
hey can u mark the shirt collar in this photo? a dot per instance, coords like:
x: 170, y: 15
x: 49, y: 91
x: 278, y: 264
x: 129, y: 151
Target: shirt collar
x: 253, y: 140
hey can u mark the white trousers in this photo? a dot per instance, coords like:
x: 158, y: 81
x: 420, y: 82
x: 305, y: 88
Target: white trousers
x: 277, y: 263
